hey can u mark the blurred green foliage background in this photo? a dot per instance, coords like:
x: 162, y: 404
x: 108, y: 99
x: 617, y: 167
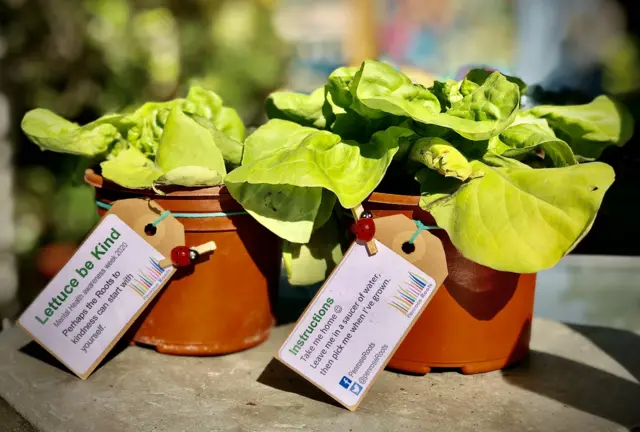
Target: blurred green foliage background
x: 84, y: 58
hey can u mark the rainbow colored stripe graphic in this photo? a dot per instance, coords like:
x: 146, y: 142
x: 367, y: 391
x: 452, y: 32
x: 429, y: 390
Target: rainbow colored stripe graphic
x: 407, y: 295
x: 147, y: 278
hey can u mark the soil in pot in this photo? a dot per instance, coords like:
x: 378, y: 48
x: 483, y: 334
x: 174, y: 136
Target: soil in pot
x: 222, y: 304
x: 478, y: 321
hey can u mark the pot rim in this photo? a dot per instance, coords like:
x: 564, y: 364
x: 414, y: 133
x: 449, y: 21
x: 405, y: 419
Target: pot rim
x: 98, y: 181
x: 394, y: 199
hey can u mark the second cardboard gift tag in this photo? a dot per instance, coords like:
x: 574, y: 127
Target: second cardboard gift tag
x: 359, y: 317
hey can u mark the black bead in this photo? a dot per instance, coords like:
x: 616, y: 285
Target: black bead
x: 366, y: 215
x: 193, y: 255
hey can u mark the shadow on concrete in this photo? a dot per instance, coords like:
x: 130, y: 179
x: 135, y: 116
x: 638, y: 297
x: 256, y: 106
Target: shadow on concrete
x: 278, y: 376
x: 34, y: 350
x: 621, y: 345
x: 11, y: 421
x: 120, y: 346
x: 585, y: 387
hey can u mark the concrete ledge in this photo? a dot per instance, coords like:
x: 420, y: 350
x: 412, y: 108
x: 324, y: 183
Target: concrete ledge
x: 578, y: 378
x: 11, y: 421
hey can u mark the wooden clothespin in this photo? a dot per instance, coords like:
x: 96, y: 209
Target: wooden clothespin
x: 182, y: 256
x: 357, y: 211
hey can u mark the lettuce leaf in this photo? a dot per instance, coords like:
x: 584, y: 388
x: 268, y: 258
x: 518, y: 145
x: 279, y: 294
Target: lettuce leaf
x: 207, y: 104
x: 191, y: 176
x: 229, y: 123
x: 590, y: 128
x: 131, y: 169
x: 339, y: 86
x: 529, y: 135
x: 148, y: 125
x: 479, y: 76
x: 288, y: 211
x: 281, y: 181
x: 185, y: 143
x: 230, y: 148
x: 188, y: 155
x: 480, y: 115
x: 312, y: 262
x: 521, y: 220
x: 189, y: 142
x: 382, y: 89
x: 201, y: 102
x: 306, y: 110
x: 441, y: 156
x: 447, y: 92
x: 52, y: 132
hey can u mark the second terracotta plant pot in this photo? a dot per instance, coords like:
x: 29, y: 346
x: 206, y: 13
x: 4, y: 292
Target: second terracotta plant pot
x: 478, y: 321
x: 222, y: 304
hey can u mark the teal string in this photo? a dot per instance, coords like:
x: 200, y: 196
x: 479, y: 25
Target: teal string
x: 161, y: 218
x: 420, y: 227
x: 103, y: 205
x: 181, y: 215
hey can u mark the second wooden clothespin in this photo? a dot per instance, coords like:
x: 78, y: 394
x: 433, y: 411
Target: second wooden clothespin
x: 370, y: 244
x: 182, y: 256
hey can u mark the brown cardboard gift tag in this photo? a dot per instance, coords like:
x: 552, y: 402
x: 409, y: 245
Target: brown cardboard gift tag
x: 138, y: 213
x: 364, y: 310
x: 111, y: 278
x: 428, y: 256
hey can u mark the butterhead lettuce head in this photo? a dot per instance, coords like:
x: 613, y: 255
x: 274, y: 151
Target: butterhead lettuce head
x: 514, y: 189
x: 189, y: 142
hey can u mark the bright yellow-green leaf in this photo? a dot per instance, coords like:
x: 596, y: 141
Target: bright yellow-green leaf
x: 312, y: 262
x: 521, y: 220
x: 52, y: 132
x: 441, y: 156
x: 590, y: 128
x: 131, y: 169
x: 286, y: 167
x: 190, y: 176
x: 480, y: 115
x: 186, y: 143
x: 528, y: 135
x: 306, y: 110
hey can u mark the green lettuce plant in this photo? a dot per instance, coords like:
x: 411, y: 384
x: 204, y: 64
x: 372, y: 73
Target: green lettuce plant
x: 189, y: 142
x: 515, y: 189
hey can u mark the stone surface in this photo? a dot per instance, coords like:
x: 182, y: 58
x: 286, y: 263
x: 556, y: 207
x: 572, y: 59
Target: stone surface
x: 578, y: 378
x: 11, y: 421
x: 591, y: 289
x: 8, y: 284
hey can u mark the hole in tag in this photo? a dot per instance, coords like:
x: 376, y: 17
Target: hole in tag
x: 150, y: 230
x: 408, y: 247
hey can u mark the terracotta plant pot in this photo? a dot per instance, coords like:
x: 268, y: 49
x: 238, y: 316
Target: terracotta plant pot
x: 221, y: 304
x: 52, y: 257
x: 478, y: 321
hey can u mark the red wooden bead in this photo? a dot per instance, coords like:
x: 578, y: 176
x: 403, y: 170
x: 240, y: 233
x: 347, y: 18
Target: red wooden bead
x: 364, y: 229
x: 180, y: 256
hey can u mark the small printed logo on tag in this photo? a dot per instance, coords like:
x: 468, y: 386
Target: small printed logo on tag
x: 147, y: 278
x: 356, y: 389
x: 345, y: 382
x: 408, y: 293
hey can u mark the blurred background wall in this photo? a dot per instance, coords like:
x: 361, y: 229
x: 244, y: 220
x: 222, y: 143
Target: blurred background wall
x: 83, y: 58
